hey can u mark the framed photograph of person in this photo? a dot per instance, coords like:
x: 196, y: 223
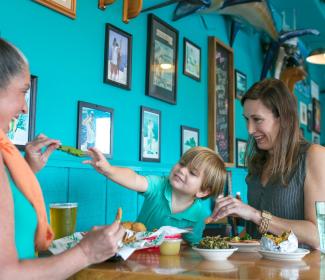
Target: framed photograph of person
x: 66, y: 7
x: 191, y: 60
x: 241, y: 146
x: 95, y: 128
x: 22, y: 130
x: 150, y: 134
x: 161, y: 82
x: 303, y: 113
x: 316, y: 116
x: 190, y: 137
x: 118, y: 57
x: 241, y: 84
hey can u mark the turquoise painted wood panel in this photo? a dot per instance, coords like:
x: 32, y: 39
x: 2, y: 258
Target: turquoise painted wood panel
x: 118, y: 196
x: 88, y: 188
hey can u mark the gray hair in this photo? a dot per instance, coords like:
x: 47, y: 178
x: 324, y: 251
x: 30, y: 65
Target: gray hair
x: 12, y: 62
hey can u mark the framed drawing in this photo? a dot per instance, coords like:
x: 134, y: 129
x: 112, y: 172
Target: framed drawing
x: 303, y: 113
x: 161, y: 60
x: 22, y: 130
x: 316, y: 116
x: 118, y: 57
x: 190, y: 137
x: 241, y: 84
x: 191, y: 60
x: 95, y: 128
x: 150, y: 134
x: 66, y: 7
x: 221, y: 100
x: 241, y: 146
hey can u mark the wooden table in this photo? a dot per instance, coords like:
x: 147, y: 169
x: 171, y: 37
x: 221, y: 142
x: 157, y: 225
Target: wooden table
x: 189, y: 265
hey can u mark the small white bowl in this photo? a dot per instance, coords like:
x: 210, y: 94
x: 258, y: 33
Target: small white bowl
x: 215, y: 254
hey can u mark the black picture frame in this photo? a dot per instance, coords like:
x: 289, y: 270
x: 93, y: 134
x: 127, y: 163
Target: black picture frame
x: 191, y: 60
x: 92, y: 121
x: 241, y: 146
x: 22, y: 130
x: 316, y: 116
x: 309, y: 120
x: 240, y: 84
x: 118, y: 57
x: 150, y: 136
x: 162, y: 52
x: 190, y: 137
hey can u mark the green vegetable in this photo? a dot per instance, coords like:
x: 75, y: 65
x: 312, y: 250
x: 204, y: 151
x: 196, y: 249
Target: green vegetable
x: 213, y: 242
x: 72, y: 151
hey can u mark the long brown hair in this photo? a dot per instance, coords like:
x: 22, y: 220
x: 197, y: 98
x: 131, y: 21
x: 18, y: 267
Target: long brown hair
x: 275, y: 96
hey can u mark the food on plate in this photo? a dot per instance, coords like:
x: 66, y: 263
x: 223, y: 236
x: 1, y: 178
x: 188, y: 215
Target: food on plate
x: 245, y: 239
x: 277, y: 239
x: 135, y: 226
x: 213, y: 242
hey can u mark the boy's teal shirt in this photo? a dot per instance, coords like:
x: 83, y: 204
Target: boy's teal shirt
x: 157, y: 210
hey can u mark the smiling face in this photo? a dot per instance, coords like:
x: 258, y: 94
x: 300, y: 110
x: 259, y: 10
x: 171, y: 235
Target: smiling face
x: 261, y: 124
x: 186, y: 181
x: 12, y: 98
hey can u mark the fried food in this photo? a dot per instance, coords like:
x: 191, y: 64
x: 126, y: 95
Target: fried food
x: 208, y: 220
x: 127, y: 225
x: 278, y: 239
x: 119, y: 215
x: 138, y: 227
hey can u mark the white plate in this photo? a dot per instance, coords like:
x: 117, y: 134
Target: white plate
x: 281, y: 256
x: 245, y: 247
x: 215, y: 254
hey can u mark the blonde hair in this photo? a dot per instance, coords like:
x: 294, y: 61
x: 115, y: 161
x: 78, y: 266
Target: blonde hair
x: 213, y: 167
x: 275, y: 96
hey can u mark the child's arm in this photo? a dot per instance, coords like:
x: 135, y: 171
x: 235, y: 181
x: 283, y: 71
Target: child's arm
x: 120, y: 175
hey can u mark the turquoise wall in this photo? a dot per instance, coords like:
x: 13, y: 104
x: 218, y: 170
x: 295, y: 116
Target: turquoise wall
x: 68, y: 58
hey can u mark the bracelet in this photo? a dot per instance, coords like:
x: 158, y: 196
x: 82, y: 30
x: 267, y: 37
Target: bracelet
x: 264, y: 225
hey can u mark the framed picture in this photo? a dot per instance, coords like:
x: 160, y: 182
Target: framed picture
x: 22, y: 130
x: 190, y: 137
x: 309, y: 120
x: 303, y: 113
x: 161, y: 60
x: 241, y: 146
x: 241, y: 84
x: 118, y: 57
x: 192, y: 60
x: 315, y: 138
x: 221, y: 100
x: 95, y: 128
x: 66, y: 7
x: 150, y: 134
x: 316, y: 116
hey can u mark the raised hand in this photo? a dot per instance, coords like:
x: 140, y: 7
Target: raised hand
x: 98, y: 161
x: 39, y: 150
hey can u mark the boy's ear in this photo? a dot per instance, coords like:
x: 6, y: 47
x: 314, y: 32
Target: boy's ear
x: 202, y: 194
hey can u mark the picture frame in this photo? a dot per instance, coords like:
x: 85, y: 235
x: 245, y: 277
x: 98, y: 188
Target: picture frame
x: 66, y: 7
x: 190, y: 137
x: 22, y: 130
x: 150, y: 136
x: 118, y: 57
x: 95, y: 128
x: 241, y: 84
x: 162, y: 52
x: 221, y: 100
x: 241, y: 146
x: 309, y: 120
x: 315, y: 138
x: 303, y: 113
x: 191, y: 60
x: 316, y: 116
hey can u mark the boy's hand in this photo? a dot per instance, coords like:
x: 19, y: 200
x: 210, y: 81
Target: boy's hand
x: 98, y: 161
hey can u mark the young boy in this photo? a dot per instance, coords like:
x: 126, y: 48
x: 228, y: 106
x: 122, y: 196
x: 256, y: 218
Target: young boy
x: 174, y: 200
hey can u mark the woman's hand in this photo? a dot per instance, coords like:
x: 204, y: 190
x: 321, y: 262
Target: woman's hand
x: 230, y: 206
x: 98, y: 161
x: 35, y: 157
x: 102, y: 242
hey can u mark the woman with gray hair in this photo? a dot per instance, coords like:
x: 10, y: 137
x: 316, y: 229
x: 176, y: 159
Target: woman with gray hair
x: 24, y: 229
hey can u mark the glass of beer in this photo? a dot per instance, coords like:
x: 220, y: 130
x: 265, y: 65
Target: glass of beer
x: 63, y: 218
x: 320, y: 215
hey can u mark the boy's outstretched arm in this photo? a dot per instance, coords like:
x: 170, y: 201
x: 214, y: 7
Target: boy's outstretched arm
x: 120, y: 175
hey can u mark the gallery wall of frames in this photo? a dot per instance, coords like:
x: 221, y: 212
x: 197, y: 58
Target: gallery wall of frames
x: 143, y: 93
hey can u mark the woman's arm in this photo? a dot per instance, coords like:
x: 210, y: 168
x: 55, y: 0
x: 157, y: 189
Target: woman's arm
x: 98, y: 245
x: 120, y: 175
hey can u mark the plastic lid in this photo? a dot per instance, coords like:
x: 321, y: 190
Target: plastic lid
x: 174, y: 236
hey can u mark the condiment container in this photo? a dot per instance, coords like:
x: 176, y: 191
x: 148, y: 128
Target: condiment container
x: 171, y: 246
